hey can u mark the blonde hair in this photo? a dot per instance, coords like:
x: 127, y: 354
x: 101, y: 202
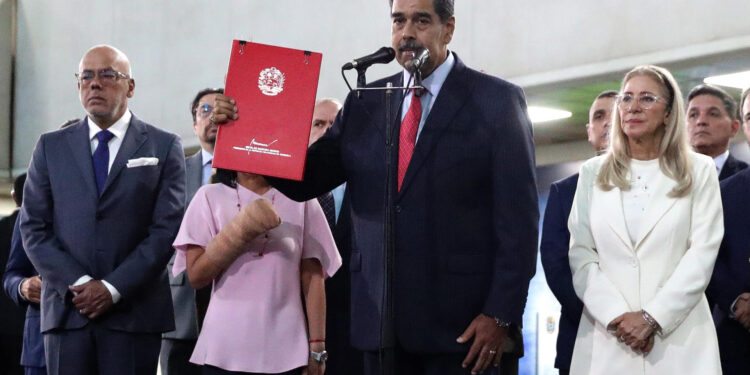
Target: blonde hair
x: 674, y: 149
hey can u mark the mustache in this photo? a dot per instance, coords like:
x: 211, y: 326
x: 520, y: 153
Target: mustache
x: 409, y: 45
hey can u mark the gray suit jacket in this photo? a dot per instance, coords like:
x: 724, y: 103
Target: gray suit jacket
x: 123, y: 236
x: 183, y: 294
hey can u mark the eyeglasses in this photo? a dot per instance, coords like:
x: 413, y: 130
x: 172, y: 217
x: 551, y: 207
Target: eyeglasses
x: 645, y: 101
x: 105, y: 75
x: 205, y: 110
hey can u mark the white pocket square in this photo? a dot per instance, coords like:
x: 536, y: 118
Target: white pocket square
x: 140, y: 162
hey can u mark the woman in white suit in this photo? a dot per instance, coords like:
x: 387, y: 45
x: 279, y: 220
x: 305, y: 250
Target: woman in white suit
x: 645, y: 228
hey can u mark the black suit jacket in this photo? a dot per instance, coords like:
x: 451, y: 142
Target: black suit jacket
x: 466, y: 216
x: 554, y: 251
x: 731, y: 167
x: 731, y: 275
x: 123, y: 236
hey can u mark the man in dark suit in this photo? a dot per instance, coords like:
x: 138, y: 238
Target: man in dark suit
x: 556, y: 238
x: 190, y: 306
x: 102, y: 205
x: 11, y: 329
x: 712, y: 122
x: 324, y: 113
x: 730, y: 283
x: 465, y: 207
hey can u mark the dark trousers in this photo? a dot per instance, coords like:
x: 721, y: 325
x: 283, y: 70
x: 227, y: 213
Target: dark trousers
x: 94, y: 350
x: 28, y: 370
x: 10, y: 354
x: 564, y: 372
x: 175, y: 357
x: 211, y: 370
x: 407, y: 363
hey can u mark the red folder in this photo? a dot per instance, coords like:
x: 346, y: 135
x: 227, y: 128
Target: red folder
x: 274, y: 88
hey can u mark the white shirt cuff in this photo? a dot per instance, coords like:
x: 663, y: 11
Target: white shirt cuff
x: 19, y: 290
x: 83, y: 280
x: 732, y: 306
x: 115, y: 294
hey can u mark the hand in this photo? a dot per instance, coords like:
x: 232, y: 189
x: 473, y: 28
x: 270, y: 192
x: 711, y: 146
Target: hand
x: 742, y: 310
x: 314, y: 367
x: 224, y: 110
x: 31, y: 288
x: 488, y: 343
x: 92, y: 299
x: 633, y: 330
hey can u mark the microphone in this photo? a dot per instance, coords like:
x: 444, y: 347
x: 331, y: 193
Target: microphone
x: 414, y: 64
x: 381, y: 56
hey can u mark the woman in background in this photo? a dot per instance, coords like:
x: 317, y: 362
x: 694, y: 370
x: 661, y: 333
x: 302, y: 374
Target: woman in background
x: 261, y: 251
x: 645, y: 228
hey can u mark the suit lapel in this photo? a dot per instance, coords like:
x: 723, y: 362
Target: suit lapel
x: 80, y: 148
x: 449, y: 101
x: 614, y: 216
x: 657, y: 206
x: 194, y: 172
x: 134, y: 138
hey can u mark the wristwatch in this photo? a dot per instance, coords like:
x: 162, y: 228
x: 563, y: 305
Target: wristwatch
x: 319, y: 356
x: 501, y: 323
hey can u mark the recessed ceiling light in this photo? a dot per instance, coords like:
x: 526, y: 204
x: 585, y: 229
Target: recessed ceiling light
x: 738, y: 80
x: 544, y: 114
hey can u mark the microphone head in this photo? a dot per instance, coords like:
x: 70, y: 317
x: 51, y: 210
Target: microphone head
x: 419, y: 59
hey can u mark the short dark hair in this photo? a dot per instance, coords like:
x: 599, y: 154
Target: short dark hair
x: 705, y: 89
x: 227, y: 177
x: 743, y: 98
x: 607, y: 94
x: 18, y: 188
x: 443, y: 8
x: 199, y: 95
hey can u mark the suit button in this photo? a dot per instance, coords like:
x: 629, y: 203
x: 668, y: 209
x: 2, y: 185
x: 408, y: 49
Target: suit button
x: 634, y: 263
x: 398, y: 209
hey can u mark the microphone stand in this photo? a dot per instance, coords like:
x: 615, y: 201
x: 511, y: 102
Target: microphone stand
x: 387, y: 327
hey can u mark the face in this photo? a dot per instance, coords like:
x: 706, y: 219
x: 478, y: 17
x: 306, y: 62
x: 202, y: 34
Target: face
x: 204, y: 129
x: 415, y: 25
x: 105, y: 100
x: 746, y: 119
x: 600, y: 119
x: 323, y: 115
x: 639, y: 123
x: 709, y: 125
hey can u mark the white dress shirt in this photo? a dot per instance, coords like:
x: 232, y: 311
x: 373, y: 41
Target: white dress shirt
x: 118, y: 129
x: 721, y: 160
x: 432, y: 84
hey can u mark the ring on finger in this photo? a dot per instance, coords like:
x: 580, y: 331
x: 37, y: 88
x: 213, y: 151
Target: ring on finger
x: 621, y: 339
x: 493, y: 351
x: 211, y: 119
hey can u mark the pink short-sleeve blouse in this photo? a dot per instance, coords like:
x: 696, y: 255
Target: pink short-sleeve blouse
x: 255, y: 320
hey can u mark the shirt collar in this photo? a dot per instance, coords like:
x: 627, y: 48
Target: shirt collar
x: 118, y: 129
x: 435, y: 81
x: 206, y: 157
x: 721, y: 159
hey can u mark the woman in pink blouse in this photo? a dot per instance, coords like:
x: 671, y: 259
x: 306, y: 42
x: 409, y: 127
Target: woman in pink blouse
x: 255, y: 321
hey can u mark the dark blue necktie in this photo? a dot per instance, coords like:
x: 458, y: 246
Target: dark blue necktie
x: 101, y: 159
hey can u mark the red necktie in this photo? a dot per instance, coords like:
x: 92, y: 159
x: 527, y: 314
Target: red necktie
x: 408, y: 136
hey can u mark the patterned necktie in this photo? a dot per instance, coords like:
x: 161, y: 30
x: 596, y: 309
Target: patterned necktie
x: 329, y: 208
x: 408, y: 136
x: 101, y: 159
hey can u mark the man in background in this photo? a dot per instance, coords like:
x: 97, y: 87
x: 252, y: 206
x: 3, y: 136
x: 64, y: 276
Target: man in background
x: 556, y: 238
x: 712, y: 123
x: 11, y: 328
x: 190, y: 305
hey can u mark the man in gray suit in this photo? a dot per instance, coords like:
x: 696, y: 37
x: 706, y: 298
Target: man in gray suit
x: 102, y: 205
x: 189, y: 306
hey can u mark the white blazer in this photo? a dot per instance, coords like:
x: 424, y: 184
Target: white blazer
x: 665, y: 273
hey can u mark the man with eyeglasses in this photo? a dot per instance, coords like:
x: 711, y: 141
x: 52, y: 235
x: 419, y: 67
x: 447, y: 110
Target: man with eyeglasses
x: 103, y: 202
x: 712, y: 121
x: 190, y: 305
x: 556, y: 238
